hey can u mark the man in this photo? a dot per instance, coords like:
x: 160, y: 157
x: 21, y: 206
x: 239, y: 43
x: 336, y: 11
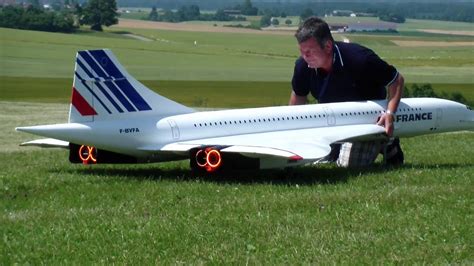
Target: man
x: 338, y: 72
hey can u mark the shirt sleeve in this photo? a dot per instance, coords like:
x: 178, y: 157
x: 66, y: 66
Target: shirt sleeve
x: 301, y: 78
x: 380, y: 72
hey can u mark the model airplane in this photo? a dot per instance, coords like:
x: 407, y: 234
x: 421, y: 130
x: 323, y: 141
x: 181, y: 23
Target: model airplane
x: 113, y: 118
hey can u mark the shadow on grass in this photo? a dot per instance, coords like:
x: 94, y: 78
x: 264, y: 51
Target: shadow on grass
x: 120, y: 34
x: 310, y: 175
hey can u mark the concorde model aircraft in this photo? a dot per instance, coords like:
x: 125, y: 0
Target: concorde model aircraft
x: 113, y: 118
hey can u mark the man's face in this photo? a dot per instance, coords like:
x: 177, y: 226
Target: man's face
x: 314, y: 55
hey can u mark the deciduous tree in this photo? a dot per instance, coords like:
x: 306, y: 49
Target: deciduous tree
x: 100, y: 12
x: 153, y: 14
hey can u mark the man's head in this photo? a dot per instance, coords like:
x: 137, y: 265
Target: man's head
x: 314, y: 27
x: 315, y: 42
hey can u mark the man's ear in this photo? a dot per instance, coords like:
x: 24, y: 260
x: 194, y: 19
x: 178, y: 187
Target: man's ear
x: 328, y: 46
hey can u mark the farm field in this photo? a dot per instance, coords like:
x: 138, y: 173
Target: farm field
x: 53, y: 212
x: 218, y: 94
x: 221, y: 57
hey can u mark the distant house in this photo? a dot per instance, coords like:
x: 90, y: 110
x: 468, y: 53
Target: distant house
x: 7, y: 2
x: 340, y: 27
x: 343, y: 13
x: 363, y: 26
x: 361, y: 14
x: 232, y: 12
x: 372, y: 26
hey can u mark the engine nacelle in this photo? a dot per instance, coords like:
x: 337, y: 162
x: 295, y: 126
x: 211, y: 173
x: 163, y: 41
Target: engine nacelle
x: 90, y: 155
x: 211, y: 159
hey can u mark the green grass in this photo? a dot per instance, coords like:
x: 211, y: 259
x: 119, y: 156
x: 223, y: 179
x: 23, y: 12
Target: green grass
x: 414, y: 24
x: 54, y: 212
x: 410, y: 24
x: 217, y: 57
x: 173, y: 56
x: 221, y: 94
x: 142, y: 14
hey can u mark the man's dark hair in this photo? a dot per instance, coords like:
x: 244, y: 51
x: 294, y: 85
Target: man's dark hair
x: 314, y: 27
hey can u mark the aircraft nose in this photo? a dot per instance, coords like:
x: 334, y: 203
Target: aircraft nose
x: 469, y: 118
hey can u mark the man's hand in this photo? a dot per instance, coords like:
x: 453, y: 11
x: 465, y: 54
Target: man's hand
x: 386, y: 120
x: 297, y: 100
x: 395, y: 91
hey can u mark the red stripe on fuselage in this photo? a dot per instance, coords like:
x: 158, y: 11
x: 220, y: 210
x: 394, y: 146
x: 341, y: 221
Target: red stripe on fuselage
x: 81, y: 104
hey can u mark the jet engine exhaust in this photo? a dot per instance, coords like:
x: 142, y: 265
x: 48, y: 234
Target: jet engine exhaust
x: 88, y: 154
x: 209, y: 159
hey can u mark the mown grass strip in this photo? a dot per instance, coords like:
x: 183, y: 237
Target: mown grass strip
x: 220, y: 94
x: 420, y: 213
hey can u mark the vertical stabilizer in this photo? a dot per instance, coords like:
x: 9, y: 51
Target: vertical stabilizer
x: 104, y: 90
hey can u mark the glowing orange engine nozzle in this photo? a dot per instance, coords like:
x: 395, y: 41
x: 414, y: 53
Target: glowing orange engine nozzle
x: 88, y: 154
x: 209, y: 159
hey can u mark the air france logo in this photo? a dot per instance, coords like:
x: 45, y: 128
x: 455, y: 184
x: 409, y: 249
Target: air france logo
x: 414, y: 117
x: 104, y: 61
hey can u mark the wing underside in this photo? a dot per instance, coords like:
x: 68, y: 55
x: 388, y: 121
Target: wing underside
x: 305, y: 144
x: 47, y: 143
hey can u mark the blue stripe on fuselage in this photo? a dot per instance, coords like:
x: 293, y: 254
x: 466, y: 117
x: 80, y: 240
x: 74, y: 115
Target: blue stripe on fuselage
x: 133, y: 95
x: 93, y: 65
x: 124, y: 85
x: 107, y: 64
x: 78, y: 61
x: 109, y: 97
x: 92, y: 92
x: 104, y: 91
x: 97, y: 69
x: 119, y: 96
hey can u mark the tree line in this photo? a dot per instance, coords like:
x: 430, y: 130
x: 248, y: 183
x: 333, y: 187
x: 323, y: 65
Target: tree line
x: 436, y: 10
x: 426, y: 90
x: 68, y: 15
x: 35, y: 18
x: 192, y: 12
x: 392, y: 12
x: 64, y: 16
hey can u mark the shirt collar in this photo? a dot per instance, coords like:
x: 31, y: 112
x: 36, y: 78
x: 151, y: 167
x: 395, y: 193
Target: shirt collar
x: 337, y: 62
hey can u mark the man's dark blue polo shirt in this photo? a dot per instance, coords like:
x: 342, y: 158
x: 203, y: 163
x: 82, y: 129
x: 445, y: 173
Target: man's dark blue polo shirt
x: 358, y: 74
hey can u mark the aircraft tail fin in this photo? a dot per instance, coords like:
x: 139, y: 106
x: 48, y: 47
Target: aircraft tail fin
x: 104, y: 90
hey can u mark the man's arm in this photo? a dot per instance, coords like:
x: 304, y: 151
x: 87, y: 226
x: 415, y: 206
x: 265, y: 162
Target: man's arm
x: 395, y: 91
x: 297, y: 100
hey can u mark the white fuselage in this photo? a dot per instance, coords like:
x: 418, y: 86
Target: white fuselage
x: 415, y: 116
x: 114, y: 118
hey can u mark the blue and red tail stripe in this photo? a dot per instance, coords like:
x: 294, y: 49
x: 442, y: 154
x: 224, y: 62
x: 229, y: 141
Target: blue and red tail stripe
x: 83, y: 82
x: 104, y: 60
x: 81, y: 105
x: 100, y: 76
x: 100, y: 68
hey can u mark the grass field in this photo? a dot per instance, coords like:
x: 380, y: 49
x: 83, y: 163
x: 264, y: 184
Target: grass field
x: 53, y: 212
x: 221, y: 94
x: 219, y: 63
x: 218, y: 56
